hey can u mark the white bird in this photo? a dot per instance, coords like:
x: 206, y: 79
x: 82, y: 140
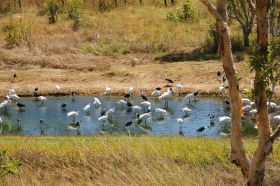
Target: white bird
x: 42, y: 99
x: 246, y: 108
x: 87, y: 108
x: 103, y: 118
x: 130, y: 90
x: 160, y: 112
x: 57, y: 88
x: 96, y: 102
x: 272, y: 105
x: 5, y: 104
x: 73, y: 114
x: 253, y: 113
x: 121, y: 104
x: 222, y: 90
x: 146, y: 105
x: 136, y: 109
x: 11, y: 91
x: 246, y: 101
x: 109, y: 113
x: 186, y: 110
x: 156, y: 92
x: 144, y: 117
x: 180, y: 121
x: 178, y: 86
x: 107, y: 117
x: 13, y: 97
x: 191, y: 97
x: 224, y: 119
x: 107, y: 91
x: 166, y: 96
x: 277, y: 118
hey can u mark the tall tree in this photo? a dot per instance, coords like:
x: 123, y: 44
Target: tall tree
x: 244, y: 12
x: 238, y: 155
x: 260, y: 63
x: 254, y: 171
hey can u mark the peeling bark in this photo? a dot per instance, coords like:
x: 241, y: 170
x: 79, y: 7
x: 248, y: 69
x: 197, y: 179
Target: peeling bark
x: 257, y: 170
x: 238, y: 156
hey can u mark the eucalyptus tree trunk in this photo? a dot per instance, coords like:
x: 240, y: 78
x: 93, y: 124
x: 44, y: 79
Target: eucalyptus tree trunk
x: 256, y: 175
x: 165, y: 3
x: 238, y: 156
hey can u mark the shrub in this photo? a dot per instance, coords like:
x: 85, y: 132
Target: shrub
x: 52, y: 8
x: 187, y: 12
x: 211, y: 42
x: 237, y: 43
x: 7, y: 165
x: 184, y: 14
x: 73, y: 8
x: 17, y: 32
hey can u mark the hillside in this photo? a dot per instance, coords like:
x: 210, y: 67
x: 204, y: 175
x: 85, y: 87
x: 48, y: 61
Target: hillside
x: 125, y: 46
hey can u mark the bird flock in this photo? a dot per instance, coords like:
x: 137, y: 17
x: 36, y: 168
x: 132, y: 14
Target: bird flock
x: 142, y: 113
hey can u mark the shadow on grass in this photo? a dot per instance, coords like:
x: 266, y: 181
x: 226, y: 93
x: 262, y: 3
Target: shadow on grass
x: 198, y: 54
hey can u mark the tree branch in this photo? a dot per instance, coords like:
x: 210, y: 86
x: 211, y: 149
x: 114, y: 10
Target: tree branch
x: 213, y: 10
x: 237, y: 13
x: 275, y: 134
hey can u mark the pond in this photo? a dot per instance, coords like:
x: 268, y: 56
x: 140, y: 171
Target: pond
x: 56, y: 122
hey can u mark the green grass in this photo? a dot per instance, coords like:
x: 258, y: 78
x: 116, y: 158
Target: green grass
x: 157, y: 160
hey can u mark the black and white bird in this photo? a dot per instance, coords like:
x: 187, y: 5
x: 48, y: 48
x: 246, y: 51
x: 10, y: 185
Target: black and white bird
x: 169, y: 82
x: 191, y: 97
x: 96, y: 103
x: 166, y: 96
x: 128, y: 124
x: 73, y: 94
x: 63, y: 106
x: 156, y: 91
x: 201, y: 129
x: 143, y: 96
x: 103, y: 112
x: 20, y: 106
x: 42, y: 99
x: 107, y: 91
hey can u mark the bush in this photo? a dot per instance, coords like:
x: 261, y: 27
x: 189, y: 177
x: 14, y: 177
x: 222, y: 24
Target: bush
x: 17, y: 32
x: 237, y: 43
x: 52, y: 8
x: 184, y: 14
x: 73, y: 9
x: 7, y: 165
x: 212, y: 42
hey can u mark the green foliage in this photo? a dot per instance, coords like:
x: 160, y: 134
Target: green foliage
x: 73, y: 9
x: 52, y: 8
x: 7, y: 165
x: 186, y: 13
x: 211, y: 43
x: 237, y: 43
x: 17, y: 32
x: 267, y: 62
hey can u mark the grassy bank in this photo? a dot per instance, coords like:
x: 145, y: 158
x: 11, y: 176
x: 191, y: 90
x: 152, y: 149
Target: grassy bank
x: 120, y: 160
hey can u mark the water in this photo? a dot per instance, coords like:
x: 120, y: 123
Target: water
x: 56, y: 121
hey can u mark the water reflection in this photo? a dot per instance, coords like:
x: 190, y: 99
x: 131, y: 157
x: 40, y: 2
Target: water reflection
x: 51, y: 118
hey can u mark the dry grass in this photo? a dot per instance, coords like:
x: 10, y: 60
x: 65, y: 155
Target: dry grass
x: 117, y: 48
x: 120, y: 160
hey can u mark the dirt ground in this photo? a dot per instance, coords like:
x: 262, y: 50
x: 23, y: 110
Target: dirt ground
x: 90, y: 74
